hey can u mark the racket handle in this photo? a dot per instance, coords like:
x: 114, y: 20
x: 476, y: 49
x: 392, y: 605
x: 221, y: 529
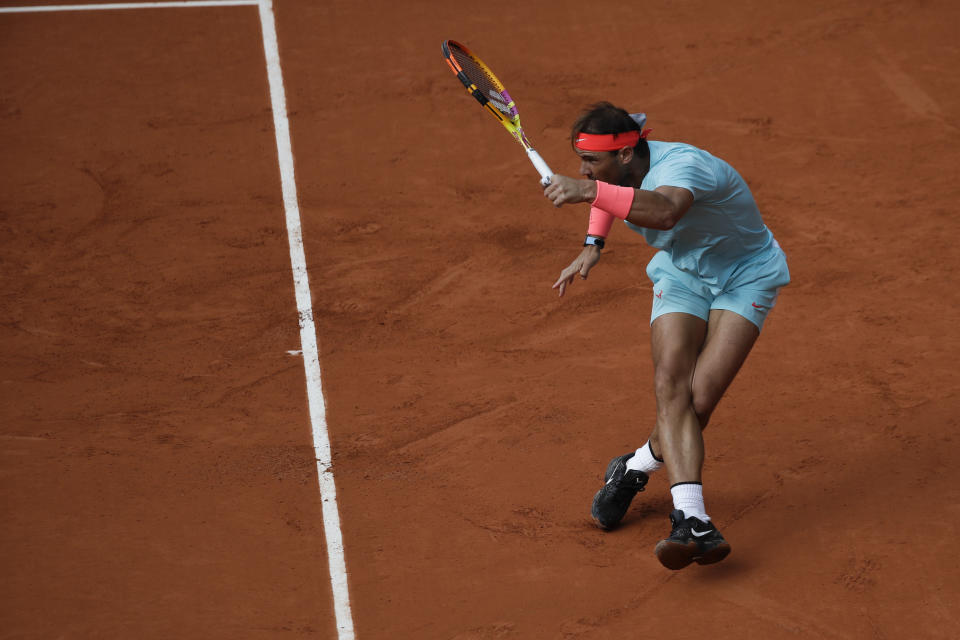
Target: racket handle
x: 541, y: 166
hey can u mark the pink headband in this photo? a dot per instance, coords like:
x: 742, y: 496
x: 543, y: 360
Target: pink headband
x: 609, y: 141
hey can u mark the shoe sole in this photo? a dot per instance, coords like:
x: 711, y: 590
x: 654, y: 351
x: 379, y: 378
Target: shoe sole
x: 676, y: 556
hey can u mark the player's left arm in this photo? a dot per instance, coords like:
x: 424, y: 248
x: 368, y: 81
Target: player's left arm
x: 661, y: 208
x: 581, y: 266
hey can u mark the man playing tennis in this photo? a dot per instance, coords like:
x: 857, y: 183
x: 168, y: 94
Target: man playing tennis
x: 715, y: 279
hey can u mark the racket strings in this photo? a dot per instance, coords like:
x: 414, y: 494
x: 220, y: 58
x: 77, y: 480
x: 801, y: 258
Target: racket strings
x: 487, y: 84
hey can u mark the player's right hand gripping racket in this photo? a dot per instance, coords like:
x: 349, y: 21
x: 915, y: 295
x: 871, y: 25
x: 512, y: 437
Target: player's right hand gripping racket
x: 490, y: 92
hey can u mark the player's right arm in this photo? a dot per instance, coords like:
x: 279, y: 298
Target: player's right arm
x: 661, y: 208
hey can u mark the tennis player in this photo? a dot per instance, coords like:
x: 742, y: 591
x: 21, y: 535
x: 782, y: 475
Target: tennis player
x: 715, y: 279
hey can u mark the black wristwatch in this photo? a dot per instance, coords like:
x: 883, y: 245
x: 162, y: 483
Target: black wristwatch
x: 594, y: 240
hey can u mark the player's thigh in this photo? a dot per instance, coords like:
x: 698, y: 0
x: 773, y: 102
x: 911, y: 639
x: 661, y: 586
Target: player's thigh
x: 675, y: 340
x: 678, y: 326
x: 730, y: 337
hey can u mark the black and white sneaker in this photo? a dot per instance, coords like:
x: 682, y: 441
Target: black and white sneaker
x: 691, y: 540
x: 622, y: 484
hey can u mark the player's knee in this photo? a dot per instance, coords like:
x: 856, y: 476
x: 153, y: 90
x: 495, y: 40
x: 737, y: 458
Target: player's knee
x: 671, y: 382
x: 705, y: 399
x: 703, y: 415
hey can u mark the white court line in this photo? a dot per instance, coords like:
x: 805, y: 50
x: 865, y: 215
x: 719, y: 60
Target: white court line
x: 308, y: 332
x: 130, y: 5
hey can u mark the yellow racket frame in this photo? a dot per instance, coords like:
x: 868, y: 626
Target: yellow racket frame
x: 501, y: 105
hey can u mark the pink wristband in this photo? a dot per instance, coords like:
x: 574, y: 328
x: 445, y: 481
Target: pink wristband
x: 613, y: 199
x: 600, y: 223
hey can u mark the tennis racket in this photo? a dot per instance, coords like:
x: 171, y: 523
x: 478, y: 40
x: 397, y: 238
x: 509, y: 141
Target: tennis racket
x: 490, y: 92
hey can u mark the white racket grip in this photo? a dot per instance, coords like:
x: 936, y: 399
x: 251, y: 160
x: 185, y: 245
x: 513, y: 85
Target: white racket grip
x: 541, y: 166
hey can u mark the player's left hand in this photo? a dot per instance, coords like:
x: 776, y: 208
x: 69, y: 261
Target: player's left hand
x: 581, y: 266
x: 563, y: 190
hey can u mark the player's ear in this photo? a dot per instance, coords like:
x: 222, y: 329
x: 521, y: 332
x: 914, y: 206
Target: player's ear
x: 625, y: 155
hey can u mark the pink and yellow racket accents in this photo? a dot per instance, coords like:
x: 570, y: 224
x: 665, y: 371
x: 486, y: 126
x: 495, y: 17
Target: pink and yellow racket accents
x: 487, y: 89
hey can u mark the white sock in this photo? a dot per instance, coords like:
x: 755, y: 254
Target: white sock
x: 688, y: 497
x: 643, y: 460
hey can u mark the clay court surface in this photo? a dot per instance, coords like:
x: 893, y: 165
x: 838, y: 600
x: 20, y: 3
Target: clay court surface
x: 159, y: 476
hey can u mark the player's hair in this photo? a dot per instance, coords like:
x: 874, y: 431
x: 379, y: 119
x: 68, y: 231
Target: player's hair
x: 604, y: 117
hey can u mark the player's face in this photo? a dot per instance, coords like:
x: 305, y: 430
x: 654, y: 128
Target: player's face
x: 605, y: 166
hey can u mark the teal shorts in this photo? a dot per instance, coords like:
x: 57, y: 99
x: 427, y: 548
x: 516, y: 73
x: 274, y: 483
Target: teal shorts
x: 750, y: 291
